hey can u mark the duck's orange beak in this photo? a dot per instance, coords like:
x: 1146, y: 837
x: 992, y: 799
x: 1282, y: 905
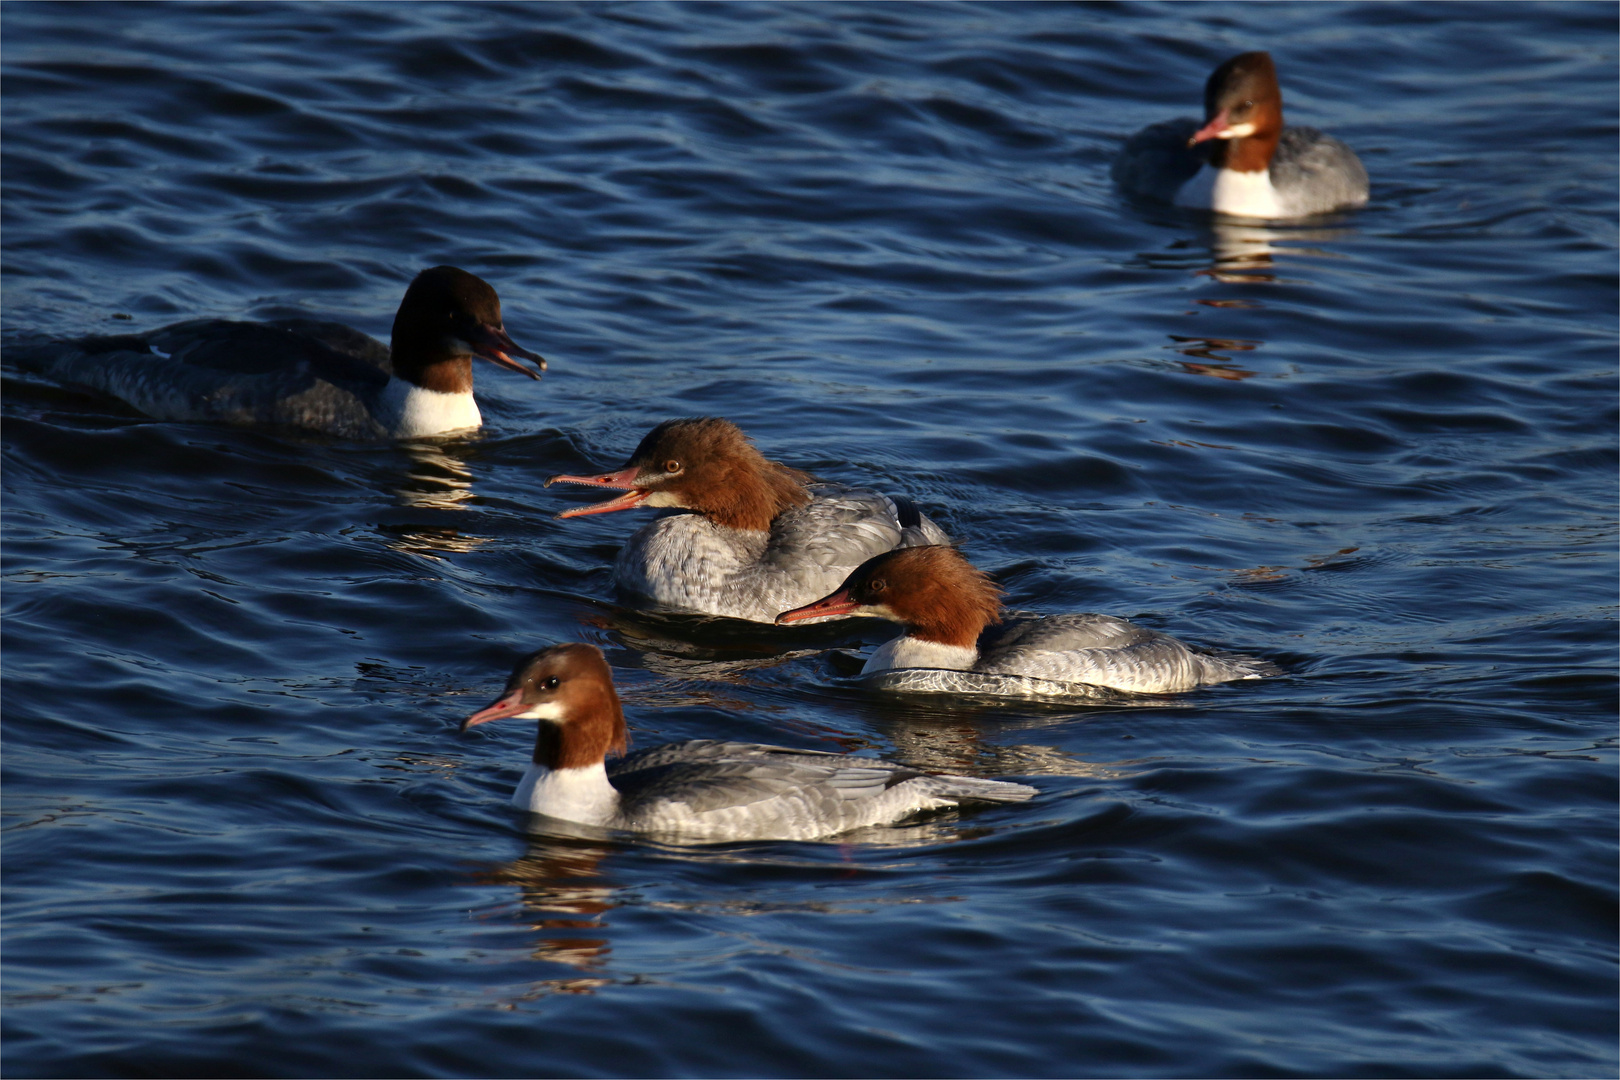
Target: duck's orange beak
x: 623, y: 480
x: 508, y: 704
x: 839, y: 603
x: 1215, y: 129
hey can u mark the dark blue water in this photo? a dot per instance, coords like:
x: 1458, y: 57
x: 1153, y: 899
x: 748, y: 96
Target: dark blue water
x: 243, y: 837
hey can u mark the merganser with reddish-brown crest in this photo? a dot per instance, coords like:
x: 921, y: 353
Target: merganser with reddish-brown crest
x: 1241, y: 160
x: 757, y: 537
x: 702, y: 790
x: 945, y: 604
x: 302, y: 373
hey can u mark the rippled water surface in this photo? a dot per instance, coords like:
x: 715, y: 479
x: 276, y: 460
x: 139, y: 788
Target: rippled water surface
x: 243, y: 835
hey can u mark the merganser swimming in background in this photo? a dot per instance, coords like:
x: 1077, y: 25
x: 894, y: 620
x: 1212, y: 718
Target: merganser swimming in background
x: 760, y: 537
x: 302, y: 373
x: 1250, y: 165
x: 703, y: 789
x: 945, y: 603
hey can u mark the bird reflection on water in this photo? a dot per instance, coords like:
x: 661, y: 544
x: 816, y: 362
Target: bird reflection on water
x: 564, y: 895
x: 437, y: 480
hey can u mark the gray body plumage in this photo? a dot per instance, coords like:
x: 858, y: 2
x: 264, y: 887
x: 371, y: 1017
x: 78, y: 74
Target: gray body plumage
x: 685, y: 562
x: 712, y: 790
x: 295, y: 373
x: 1105, y: 651
x: 1312, y: 172
x: 1090, y: 657
x: 948, y: 681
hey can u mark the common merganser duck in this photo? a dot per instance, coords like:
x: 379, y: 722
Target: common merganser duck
x: 302, y: 373
x: 759, y: 537
x: 945, y: 603
x: 703, y: 789
x: 1249, y: 165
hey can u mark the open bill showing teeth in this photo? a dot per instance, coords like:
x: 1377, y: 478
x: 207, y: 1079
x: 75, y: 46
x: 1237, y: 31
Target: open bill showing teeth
x: 628, y: 501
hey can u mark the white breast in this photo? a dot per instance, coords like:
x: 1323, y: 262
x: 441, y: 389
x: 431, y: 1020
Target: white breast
x: 908, y: 652
x: 415, y: 412
x: 1242, y: 194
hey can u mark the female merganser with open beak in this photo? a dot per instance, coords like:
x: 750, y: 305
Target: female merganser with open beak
x: 301, y: 373
x: 703, y: 789
x: 760, y: 537
x: 1241, y: 160
x: 945, y: 603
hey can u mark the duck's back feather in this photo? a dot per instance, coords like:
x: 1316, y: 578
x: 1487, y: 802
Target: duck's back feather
x: 299, y: 373
x: 1156, y: 161
x: 1313, y: 173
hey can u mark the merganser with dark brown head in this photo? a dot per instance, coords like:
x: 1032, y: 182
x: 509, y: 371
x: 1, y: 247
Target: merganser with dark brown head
x: 306, y: 374
x: 703, y: 790
x: 756, y: 536
x: 945, y: 605
x: 1241, y: 160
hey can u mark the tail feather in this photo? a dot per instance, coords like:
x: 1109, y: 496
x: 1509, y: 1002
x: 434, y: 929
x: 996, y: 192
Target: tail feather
x: 1227, y: 667
x: 970, y: 789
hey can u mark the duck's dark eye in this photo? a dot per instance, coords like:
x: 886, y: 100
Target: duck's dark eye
x: 550, y: 684
x: 672, y: 466
x: 876, y: 585
x: 1248, y: 104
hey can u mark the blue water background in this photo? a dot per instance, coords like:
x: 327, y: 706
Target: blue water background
x: 242, y: 835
